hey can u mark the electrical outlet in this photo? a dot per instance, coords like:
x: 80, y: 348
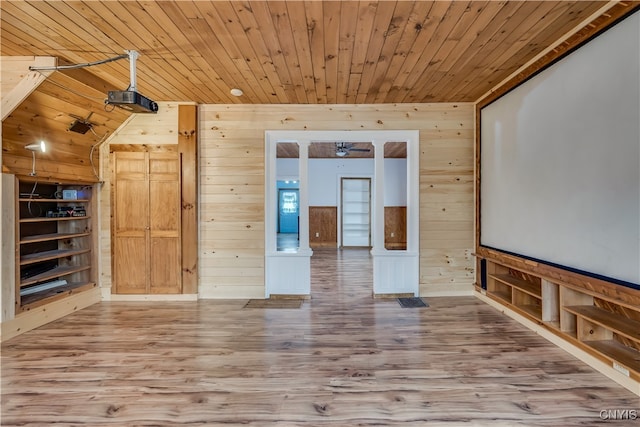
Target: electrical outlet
x: 393, y: 234
x: 317, y: 234
x: 621, y: 369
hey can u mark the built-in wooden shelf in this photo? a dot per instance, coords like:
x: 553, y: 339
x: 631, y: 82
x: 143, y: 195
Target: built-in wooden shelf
x: 524, y: 295
x: 42, y: 200
x: 618, y: 353
x: 503, y: 295
x: 46, y: 219
x: 534, y: 311
x: 51, y: 236
x: 45, y: 297
x: 606, y: 324
x: 54, y: 273
x: 49, y: 255
x: 54, y: 254
x: 522, y: 285
x: 624, y: 326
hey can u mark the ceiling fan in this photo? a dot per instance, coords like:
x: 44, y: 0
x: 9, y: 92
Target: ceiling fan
x: 344, y: 148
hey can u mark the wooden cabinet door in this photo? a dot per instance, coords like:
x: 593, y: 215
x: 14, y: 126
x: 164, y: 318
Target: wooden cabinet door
x: 130, y: 216
x: 146, y: 223
x: 164, y: 224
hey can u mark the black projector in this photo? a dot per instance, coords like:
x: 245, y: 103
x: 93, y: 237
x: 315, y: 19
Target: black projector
x: 132, y: 101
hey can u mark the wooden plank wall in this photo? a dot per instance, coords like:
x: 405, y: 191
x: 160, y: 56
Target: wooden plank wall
x: 232, y: 188
x: 395, y: 227
x: 323, y: 221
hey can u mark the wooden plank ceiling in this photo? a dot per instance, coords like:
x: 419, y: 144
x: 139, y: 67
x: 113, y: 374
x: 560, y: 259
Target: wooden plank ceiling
x: 308, y: 52
x: 333, y: 150
x: 276, y: 52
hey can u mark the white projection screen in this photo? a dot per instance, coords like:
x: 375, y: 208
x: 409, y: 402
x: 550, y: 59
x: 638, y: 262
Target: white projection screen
x: 560, y: 161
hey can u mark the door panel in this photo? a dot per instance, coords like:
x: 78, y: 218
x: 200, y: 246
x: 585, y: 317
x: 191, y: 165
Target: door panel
x: 130, y: 264
x: 133, y: 207
x: 164, y: 206
x: 164, y: 166
x: 131, y: 166
x: 165, y: 224
x: 129, y: 225
x: 165, y: 271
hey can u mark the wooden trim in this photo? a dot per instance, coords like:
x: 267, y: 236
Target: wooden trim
x: 617, y: 12
x: 147, y: 148
x: 112, y: 226
x: 50, y: 172
x: 618, y: 294
x: 16, y: 299
x: 44, y: 314
x: 187, y: 147
x: 29, y: 83
x: 9, y: 247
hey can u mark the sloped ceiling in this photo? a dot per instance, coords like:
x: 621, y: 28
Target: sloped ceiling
x: 47, y: 114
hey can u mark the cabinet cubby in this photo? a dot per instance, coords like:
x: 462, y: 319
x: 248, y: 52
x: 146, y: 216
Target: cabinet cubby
x: 55, y: 245
x: 521, y: 291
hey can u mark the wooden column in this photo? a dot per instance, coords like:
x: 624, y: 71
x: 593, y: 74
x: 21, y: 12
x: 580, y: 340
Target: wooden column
x: 188, y: 148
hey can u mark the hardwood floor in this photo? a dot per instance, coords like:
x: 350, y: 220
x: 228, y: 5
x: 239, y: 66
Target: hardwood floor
x: 342, y: 359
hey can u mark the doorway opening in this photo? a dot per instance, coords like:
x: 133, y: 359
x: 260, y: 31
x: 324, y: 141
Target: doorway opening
x: 391, y: 184
x: 288, y: 216
x: 355, y: 208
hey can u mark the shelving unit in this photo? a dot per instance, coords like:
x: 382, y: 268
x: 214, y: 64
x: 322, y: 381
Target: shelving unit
x: 55, y: 245
x: 356, y: 215
x: 615, y: 337
x: 598, y: 318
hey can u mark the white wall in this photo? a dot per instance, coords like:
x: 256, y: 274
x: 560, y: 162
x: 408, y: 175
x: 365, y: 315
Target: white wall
x: 325, y: 174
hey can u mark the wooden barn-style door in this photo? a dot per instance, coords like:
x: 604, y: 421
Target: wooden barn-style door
x: 146, y: 223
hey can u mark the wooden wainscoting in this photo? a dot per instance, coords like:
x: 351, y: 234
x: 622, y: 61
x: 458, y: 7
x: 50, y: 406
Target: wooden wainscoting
x: 323, y: 226
x: 395, y: 227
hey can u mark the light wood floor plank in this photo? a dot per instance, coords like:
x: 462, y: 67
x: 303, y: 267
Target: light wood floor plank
x: 342, y: 359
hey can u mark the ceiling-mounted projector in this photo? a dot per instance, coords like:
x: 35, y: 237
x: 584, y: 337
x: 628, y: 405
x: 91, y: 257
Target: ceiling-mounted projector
x: 130, y: 99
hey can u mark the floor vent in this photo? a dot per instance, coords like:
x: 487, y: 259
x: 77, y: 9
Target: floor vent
x: 413, y: 302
